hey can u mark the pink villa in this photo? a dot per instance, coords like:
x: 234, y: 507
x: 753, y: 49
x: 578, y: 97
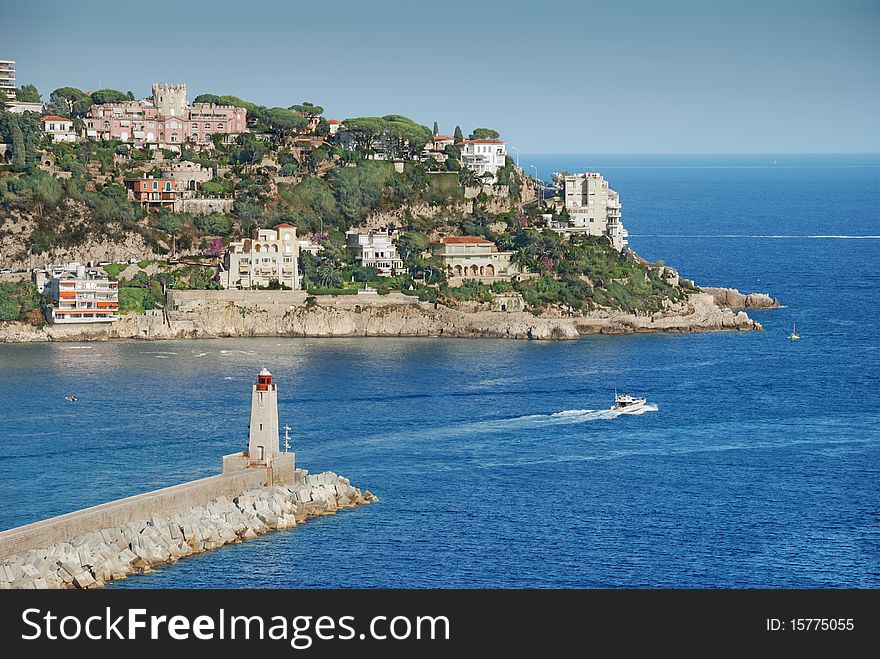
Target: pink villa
x: 165, y: 120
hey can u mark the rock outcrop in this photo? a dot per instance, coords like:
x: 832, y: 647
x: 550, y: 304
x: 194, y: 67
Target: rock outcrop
x: 730, y: 298
x: 92, y: 560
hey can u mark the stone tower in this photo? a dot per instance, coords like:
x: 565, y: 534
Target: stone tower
x: 170, y: 100
x: 263, y: 443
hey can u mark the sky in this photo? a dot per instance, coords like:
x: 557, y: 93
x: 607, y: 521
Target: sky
x: 568, y: 76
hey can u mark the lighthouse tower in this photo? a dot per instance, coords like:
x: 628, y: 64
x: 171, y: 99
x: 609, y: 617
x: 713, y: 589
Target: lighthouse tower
x: 263, y: 445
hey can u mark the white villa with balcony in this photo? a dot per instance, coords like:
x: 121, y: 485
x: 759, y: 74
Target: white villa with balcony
x: 484, y: 156
x: 375, y: 248
x: 271, y: 254
x: 593, y: 208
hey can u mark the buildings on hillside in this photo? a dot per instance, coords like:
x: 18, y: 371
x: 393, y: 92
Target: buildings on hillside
x: 153, y: 192
x: 271, y: 255
x: 472, y: 257
x: 484, y: 156
x: 375, y: 248
x: 165, y: 120
x: 436, y: 148
x: 58, y: 128
x: 78, y: 296
x: 187, y: 176
x: 593, y: 208
x: 8, y: 88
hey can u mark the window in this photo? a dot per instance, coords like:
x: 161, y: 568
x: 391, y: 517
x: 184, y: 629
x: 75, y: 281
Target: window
x: 167, y: 186
x: 219, y: 126
x: 207, y: 126
x: 106, y: 125
x: 194, y: 137
x: 194, y: 126
x: 155, y: 185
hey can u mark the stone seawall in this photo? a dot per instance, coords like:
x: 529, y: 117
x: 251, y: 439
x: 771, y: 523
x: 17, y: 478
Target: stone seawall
x: 166, y: 501
x: 105, y: 551
x: 214, y: 314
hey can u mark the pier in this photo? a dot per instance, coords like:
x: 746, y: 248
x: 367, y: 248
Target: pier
x: 259, y: 489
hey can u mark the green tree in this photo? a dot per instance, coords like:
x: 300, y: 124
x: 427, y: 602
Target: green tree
x: 365, y: 131
x: 109, y: 96
x: 251, y: 150
x: 19, y: 155
x: 214, y: 224
x: 329, y: 276
x: 405, y: 136
x: 69, y: 102
x: 458, y: 135
x: 307, y: 109
x: 436, y: 128
x: 283, y: 122
x: 523, y: 260
x: 485, y: 134
x: 170, y: 223
x: 27, y: 94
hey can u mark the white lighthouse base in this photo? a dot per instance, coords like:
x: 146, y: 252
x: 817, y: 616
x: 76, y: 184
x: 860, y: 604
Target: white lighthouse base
x: 280, y: 470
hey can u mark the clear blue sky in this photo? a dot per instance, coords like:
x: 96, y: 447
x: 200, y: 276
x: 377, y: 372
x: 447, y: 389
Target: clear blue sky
x: 568, y: 76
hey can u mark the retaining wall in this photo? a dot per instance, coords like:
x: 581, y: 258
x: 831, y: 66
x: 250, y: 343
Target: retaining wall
x: 164, y: 502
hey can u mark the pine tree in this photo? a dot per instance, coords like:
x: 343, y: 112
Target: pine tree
x: 19, y: 155
x: 459, y: 136
x: 436, y: 129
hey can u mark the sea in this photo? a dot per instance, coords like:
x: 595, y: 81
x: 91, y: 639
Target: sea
x: 497, y: 462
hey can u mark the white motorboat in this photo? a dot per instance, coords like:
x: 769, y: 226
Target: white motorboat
x: 626, y: 404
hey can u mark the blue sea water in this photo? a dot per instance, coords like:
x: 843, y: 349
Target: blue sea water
x: 494, y: 466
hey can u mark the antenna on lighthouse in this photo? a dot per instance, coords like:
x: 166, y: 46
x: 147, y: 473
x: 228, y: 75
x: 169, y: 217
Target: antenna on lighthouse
x: 286, y: 438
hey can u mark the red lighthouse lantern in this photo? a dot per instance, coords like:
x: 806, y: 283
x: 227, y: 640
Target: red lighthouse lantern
x: 264, y: 380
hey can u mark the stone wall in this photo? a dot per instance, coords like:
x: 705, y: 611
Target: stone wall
x: 206, y: 206
x: 167, y: 501
x: 91, y: 559
x: 190, y: 300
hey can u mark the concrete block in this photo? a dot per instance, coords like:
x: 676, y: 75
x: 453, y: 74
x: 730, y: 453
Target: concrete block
x: 84, y: 580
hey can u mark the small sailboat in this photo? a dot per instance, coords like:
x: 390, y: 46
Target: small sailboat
x: 794, y: 336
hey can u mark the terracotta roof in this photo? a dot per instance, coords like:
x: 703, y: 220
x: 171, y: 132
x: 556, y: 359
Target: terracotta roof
x: 486, y: 141
x: 463, y: 240
x: 52, y: 117
x: 333, y: 121
x: 284, y: 226
x: 443, y: 137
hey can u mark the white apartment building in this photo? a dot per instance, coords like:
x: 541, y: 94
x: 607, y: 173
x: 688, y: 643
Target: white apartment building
x: 7, y: 79
x: 375, y: 248
x: 272, y: 254
x: 58, y: 128
x: 78, y: 296
x: 484, y: 156
x: 593, y: 208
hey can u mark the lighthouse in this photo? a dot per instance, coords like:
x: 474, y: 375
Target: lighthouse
x: 263, y: 443
x: 263, y: 460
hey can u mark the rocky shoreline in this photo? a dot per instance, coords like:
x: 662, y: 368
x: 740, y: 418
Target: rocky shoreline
x: 92, y: 560
x: 202, y: 317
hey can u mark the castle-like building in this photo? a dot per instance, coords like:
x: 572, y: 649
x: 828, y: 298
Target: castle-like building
x: 165, y: 120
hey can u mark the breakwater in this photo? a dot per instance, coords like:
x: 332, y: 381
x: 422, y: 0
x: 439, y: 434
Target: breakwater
x: 116, y: 550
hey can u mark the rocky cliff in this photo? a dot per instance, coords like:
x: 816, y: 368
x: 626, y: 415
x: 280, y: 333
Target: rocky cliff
x: 396, y: 316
